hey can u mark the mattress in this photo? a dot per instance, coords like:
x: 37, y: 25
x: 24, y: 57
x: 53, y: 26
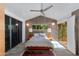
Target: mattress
x: 39, y: 41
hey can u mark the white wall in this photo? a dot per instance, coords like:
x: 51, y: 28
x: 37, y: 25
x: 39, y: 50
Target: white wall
x: 70, y: 33
x: 12, y: 14
x: 23, y: 32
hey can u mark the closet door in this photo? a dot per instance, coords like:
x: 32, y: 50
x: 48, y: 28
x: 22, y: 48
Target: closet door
x: 19, y: 31
x: 7, y: 33
x: 14, y: 33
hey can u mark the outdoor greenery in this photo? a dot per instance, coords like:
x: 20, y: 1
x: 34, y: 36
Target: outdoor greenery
x: 39, y: 26
x: 62, y: 31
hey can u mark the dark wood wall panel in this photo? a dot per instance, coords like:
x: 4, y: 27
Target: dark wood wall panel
x: 76, y: 13
x: 77, y: 34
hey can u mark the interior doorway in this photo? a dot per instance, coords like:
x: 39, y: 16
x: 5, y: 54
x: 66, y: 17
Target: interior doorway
x: 62, y: 33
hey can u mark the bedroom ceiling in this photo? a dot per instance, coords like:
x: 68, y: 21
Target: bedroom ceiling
x: 59, y: 11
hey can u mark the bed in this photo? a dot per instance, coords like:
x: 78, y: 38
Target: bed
x: 39, y: 45
x: 39, y: 40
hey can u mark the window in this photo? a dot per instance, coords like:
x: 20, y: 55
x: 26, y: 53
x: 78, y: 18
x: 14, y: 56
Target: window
x: 40, y: 26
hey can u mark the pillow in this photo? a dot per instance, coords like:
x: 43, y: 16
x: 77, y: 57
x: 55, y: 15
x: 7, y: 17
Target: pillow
x: 42, y: 34
x: 36, y: 34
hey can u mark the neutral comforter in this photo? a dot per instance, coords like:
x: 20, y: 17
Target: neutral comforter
x: 39, y: 41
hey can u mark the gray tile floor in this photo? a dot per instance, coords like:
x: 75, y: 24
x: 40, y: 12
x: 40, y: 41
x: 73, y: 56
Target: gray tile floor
x: 16, y: 51
x: 59, y: 50
x: 62, y: 52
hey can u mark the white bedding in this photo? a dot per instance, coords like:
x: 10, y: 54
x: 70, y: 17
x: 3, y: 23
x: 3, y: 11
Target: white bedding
x: 39, y: 41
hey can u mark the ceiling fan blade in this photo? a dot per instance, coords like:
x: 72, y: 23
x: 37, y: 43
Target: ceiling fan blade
x: 48, y: 8
x: 41, y: 6
x: 35, y: 10
x: 43, y: 13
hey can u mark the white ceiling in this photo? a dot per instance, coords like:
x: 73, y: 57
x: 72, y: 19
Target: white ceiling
x: 59, y: 11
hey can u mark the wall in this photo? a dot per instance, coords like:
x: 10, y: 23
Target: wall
x: 23, y: 31
x: 2, y: 31
x: 70, y: 33
x: 43, y: 20
x: 9, y: 13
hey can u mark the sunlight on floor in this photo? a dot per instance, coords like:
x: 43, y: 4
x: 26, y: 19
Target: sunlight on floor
x: 57, y: 45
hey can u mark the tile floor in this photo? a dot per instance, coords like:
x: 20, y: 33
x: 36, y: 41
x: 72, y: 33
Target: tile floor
x: 58, y: 49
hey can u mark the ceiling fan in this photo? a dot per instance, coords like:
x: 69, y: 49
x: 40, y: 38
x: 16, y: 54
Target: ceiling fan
x: 42, y: 10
